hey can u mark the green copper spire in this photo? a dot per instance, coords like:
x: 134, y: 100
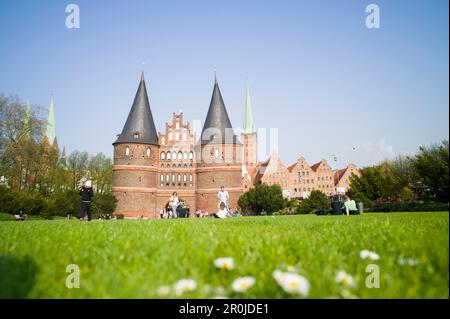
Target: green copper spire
x: 50, y: 132
x: 249, y: 125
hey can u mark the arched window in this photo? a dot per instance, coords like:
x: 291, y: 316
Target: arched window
x: 167, y: 177
x: 179, y: 178
x: 149, y: 152
x: 185, y: 156
x: 163, y: 156
x: 170, y: 137
x: 163, y: 140
x: 177, y: 137
x: 191, y: 155
x: 184, y: 137
x: 190, y: 177
x: 174, y: 156
x: 168, y: 156
x: 127, y: 151
x: 185, y: 178
x: 216, y: 153
x: 173, y: 177
x: 162, y: 177
x: 177, y: 125
x: 180, y: 156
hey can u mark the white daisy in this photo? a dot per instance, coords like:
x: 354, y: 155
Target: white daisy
x: 242, y: 284
x: 292, y: 283
x: 224, y: 263
x: 184, y: 285
x: 343, y: 278
x: 367, y: 254
x: 163, y: 291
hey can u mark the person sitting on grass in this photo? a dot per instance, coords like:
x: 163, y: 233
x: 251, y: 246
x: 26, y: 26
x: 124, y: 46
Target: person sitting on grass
x: 222, y: 212
x: 350, y: 206
x: 337, y: 207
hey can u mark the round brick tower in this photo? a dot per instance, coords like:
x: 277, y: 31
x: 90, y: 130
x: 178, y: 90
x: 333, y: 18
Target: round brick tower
x: 136, y: 160
x: 219, y: 157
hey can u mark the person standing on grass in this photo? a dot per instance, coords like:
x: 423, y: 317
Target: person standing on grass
x: 86, y: 194
x: 350, y: 206
x: 173, y: 202
x: 223, y: 197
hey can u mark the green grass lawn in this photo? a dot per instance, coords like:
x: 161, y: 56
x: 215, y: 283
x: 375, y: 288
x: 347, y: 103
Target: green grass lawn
x: 131, y: 259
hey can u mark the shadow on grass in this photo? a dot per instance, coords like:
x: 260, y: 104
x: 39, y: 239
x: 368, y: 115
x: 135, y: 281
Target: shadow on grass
x: 17, y: 276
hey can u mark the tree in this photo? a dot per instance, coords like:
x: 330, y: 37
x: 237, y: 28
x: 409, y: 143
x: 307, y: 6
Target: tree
x: 262, y: 197
x: 376, y: 182
x: 431, y: 165
x: 316, y: 201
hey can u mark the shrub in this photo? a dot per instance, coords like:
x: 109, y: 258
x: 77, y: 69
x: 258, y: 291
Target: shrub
x: 262, y: 197
x: 316, y: 201
x: 104, y: 203
x: 6, y: 217
x: 410, y: 207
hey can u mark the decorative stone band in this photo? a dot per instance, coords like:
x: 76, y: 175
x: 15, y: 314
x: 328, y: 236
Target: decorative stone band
x: 135, y: 168
x: 215, y: 190
x: 219, y: 168
x: 170, y: 191
x: 134, y: 189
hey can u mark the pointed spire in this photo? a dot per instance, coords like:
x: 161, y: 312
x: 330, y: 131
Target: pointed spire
x: 215, y: 78
x: 217, y: 120
x: 249, y: 126
x: 142, y: 75
x: 50, y: 132
x: 139, y: 127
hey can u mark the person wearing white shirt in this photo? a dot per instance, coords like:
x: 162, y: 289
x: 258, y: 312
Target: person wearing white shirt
x: 173, y: 202
x: 223, y: 197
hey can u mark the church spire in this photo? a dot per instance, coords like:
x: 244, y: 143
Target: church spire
x: 139, y: 127
x: 217, y: 121
x: 50, y: 131
x: 249, y: 126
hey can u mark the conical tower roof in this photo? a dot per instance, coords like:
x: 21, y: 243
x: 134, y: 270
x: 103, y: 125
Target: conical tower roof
x: 139, y: 127
x: 50, y: 131
x: 217, y: 121
x: 249, y: 126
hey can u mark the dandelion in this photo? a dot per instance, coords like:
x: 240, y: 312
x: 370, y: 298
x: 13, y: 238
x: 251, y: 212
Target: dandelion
x: 163, y: 291
x: 343, y: 278
x: 242, y: 284
x: 367, y: 254
x: 224, y: 263
x: 292, y: 283
x: 184, y: 285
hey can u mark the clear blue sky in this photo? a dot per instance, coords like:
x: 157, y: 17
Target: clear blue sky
x: 315, y: 71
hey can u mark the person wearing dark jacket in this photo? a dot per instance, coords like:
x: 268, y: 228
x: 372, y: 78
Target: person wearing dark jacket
x: 86, y: 194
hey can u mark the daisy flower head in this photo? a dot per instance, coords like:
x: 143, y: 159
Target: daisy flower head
x: 224, y: 263
x: 367, y: 254
x: 344, y: 278
x: 184, y: 285
x: 242, y: 284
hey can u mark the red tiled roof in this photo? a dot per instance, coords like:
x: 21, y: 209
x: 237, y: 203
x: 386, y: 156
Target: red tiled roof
x: 315, y: 166
x: 339, y: 174
x: 291, y: 168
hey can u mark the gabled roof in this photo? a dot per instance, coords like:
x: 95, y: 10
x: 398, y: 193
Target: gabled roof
x: 338, y: 175
x: 315, y: 166
x: 217, y: 128
x: 291, y: 168
x: 139, y: 127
